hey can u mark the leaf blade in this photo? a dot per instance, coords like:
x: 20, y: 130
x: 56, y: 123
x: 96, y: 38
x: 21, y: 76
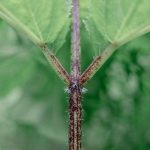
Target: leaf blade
x: 42, y: 21
x: 117, y: 21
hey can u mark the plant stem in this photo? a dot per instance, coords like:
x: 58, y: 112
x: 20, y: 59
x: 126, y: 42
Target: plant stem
x: 75, y: 104
x: 75, y: 71
x: 75, y: 114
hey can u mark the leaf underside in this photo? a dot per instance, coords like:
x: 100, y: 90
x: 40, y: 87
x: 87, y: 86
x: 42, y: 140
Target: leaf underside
x: 115, y: 21
x: 43, y: 21
x: 102, y: 22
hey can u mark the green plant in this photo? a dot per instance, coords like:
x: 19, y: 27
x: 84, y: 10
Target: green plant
x: 109, y: 25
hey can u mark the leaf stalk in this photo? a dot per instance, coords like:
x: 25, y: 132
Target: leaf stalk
x: 57, y: 66
x: 97, y: 63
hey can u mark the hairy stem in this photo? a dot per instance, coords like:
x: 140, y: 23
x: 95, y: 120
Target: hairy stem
x: 97, y: 63
x: 75, y: 114
x: 56, y: 64
x: 75, y: 104
x: 75, y: 71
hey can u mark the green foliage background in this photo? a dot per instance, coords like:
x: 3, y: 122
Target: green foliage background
x: 33, y: 105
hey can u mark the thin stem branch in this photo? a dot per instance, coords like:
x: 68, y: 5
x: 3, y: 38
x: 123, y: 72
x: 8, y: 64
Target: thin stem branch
x: 60, y: 70
x: 97, y: 63
x: 75, y: 106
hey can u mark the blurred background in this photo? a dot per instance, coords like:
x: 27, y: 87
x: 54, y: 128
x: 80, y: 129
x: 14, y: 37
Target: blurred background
x: 33, y: 104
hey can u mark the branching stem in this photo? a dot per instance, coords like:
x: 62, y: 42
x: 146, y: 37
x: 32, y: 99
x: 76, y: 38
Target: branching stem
x: 75, y: 81
x: 75, y: 104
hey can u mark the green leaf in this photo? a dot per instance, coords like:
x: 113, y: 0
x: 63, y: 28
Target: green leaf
x: 116, y: 21
x: 43, y: 21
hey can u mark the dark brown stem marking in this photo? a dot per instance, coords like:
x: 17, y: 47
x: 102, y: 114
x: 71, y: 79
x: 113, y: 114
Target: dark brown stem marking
x: 56, y: 65
x: 75, y: 114
x: 97, y: 63
x: 75, y: 106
